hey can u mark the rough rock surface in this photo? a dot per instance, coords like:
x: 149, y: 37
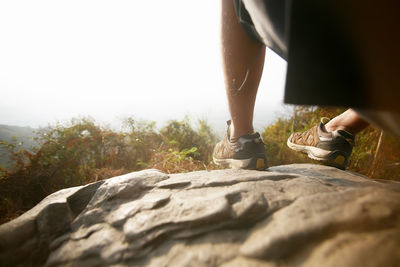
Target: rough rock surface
x: 291, y: 215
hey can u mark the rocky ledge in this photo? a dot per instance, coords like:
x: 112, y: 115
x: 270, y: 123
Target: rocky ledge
x: 291, y: 215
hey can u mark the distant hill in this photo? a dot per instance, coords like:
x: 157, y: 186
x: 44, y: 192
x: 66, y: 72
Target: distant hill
x: 11, y: 133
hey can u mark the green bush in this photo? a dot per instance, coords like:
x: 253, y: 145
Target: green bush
x: 303, y: 118
x: 181, y: 136
x: 81, y: 151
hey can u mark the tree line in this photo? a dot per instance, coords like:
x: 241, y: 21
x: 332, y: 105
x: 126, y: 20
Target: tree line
x: 81, y: 152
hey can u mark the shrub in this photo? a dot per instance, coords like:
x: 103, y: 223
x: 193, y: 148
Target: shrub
x: 388, y: 160
x: 81, y: 152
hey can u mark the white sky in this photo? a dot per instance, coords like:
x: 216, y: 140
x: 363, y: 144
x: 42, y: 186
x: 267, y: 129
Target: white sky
x: 156, y: 60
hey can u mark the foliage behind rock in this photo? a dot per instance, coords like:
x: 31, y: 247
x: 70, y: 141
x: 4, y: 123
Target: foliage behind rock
x: 82, y: 151
x: 365, y: 150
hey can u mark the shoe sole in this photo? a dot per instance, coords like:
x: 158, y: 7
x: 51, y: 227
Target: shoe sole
x: 257, y: 163
x: 334, y: 158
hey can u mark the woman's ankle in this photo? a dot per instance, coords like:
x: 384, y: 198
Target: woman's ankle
x: 236, y: 133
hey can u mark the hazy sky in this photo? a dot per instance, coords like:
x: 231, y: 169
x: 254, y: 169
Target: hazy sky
x: 156, y: 60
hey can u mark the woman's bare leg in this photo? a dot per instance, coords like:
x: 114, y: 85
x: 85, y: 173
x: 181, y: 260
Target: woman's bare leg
x: 243, y: 62
x: 349, y: 121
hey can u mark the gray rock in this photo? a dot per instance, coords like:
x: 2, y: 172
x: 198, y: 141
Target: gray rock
x: 292, y: 215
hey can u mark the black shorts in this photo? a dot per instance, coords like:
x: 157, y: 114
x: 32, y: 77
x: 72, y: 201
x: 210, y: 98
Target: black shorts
x: 322, y: 69
x: 273, y: 34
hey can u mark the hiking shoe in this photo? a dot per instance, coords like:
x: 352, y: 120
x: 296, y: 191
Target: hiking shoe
x: 248, y: 152
x: 332, y: 148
